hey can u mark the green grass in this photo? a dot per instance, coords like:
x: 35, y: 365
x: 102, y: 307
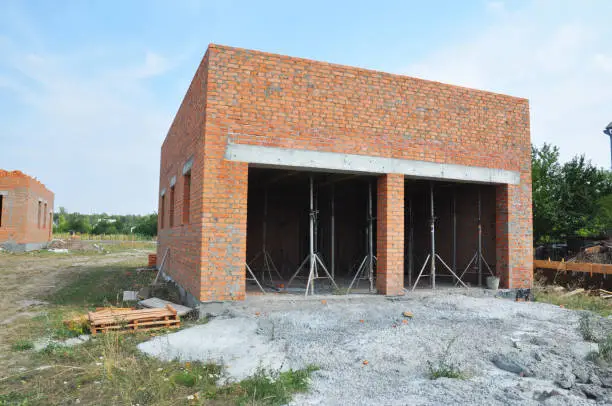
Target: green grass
x: 586, y: 329
x: 100, y: 286
x: 273, y: 388
x: 605, y: 349
x: 22, y: 345
x: 443, y: 369
x: 109, y: 369
x: 577, y: 302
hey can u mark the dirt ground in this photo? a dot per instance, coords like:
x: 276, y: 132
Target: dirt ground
x: 27, y: 277
x: 457, y: 346
x: 45, y: 361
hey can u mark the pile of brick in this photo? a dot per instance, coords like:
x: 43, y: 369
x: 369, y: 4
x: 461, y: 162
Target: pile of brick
x: 152, y: 260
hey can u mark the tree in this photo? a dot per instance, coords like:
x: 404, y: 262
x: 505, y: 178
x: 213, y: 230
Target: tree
x: 569, y: 200
x: 147, y: 225
x: 581, y: 188
x: 79, y: 223
x: 546, y: 175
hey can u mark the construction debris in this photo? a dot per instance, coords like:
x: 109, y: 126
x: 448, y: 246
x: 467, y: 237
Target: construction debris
x: 157, y: 303
x: 130, y: 295
x: 142, y: 319
x: 574, y: 292
x: 58, y: 250
x: 604, y: 294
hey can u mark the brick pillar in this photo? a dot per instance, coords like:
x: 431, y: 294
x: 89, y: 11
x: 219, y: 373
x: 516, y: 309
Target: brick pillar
x: 224, y: 221
x: 514, y: 235
x: 390, y: 235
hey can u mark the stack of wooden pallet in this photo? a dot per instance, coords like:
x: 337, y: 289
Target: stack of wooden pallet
x: 107, y: 319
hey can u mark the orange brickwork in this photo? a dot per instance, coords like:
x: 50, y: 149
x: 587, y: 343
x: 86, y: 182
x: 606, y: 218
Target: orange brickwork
x: 26, y: 214
x: 253, y: 98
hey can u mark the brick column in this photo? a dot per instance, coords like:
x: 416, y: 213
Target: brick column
x: 224, y: 221
x: 514, y: 236
x: 390, y: 235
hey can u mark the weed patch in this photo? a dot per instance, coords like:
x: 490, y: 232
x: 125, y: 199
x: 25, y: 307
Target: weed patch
x: 443, y: 366
x: 577, y: 302
x: 605, y: 349
x: 100, y: 286
x: 444, y: 369
x: 22, y: 345
x: 586, y: 328
x: 272, y: 387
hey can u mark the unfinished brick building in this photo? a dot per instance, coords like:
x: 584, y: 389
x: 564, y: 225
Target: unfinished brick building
x: 303, y: 168
x: 26, y: 212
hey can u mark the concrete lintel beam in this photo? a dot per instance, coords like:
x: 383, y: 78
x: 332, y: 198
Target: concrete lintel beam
x: 352, y: 163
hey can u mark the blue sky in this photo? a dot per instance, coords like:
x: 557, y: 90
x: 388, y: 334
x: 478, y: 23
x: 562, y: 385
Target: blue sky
x: 88, y: 89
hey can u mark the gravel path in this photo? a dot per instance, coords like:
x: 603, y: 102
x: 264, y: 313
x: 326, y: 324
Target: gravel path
x: 512, y: 353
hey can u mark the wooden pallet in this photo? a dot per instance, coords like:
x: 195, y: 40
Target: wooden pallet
x: 132, y: 320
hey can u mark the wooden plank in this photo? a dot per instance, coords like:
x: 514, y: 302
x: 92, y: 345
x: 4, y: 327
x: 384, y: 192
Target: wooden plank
x: 604, y: 269
x: 124, y: 312
x: 149, y: 324
x: 125, y: 319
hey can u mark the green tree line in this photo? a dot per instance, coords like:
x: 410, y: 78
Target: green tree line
x: 105, y: 223
x: 573, y: 199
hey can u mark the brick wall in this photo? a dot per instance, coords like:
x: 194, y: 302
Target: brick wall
x: 185, y: 141
x: 21, y: 195
x: 256, y: 98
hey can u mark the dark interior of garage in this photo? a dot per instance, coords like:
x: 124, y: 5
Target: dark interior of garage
x: 456, y: 230
x: 278, y: 230
x: 279, y: 209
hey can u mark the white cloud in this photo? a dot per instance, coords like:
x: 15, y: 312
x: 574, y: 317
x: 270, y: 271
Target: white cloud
x: 154, y: 65
x: 603, y: 62
x: 555, y: 53
x: 91, y: 134
x: 496, y: 6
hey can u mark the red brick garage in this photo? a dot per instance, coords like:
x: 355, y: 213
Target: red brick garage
x: 26, y: 212
x: 252, y: 119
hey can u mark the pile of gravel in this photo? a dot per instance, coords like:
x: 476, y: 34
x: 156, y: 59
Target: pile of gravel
x: 508, y: 352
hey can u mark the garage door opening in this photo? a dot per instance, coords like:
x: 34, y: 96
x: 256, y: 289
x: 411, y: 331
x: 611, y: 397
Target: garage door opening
x: 459, y: 234
x: 279, y: 236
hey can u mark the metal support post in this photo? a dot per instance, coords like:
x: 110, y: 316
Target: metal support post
x: 365, y: 271
x: 410, y: 242
x: 431, y: 258
x: 312, y: 259
x: 455, y: 229
x: 478, y: 256
x: 268, y: 265
x: 333, y: 232
x: 479, y: 238
x: 253, y: 278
